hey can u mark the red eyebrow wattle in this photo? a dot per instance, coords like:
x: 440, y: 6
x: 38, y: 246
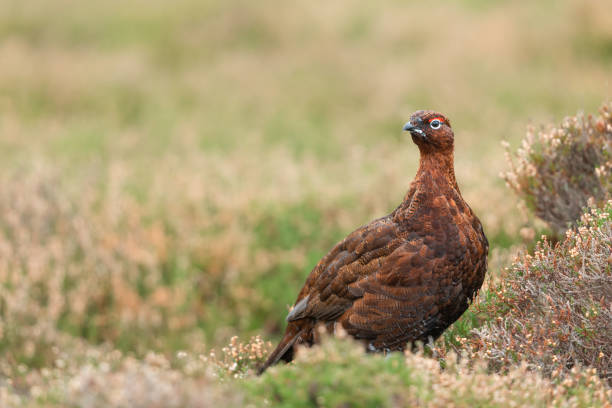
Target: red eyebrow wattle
x: 437, y: 117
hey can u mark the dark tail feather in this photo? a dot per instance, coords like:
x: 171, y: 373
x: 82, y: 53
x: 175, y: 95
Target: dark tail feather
x: 291, y: 335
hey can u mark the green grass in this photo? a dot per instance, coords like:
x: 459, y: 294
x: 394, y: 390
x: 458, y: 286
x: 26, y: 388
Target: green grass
x: 335, y: 382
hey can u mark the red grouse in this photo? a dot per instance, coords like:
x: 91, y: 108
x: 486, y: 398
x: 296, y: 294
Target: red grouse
x: 404, y: 277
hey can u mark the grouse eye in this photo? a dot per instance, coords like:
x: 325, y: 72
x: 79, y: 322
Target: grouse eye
x: 435, y: 124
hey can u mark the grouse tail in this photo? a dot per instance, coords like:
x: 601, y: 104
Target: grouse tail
x: 282, y: 351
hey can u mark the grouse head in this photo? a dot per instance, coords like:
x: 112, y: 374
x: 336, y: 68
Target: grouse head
x: 431, y: 131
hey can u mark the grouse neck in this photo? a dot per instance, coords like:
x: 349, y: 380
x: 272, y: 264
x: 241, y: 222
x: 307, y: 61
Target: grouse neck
x: 437, y: 165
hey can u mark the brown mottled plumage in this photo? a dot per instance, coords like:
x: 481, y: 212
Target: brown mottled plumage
x: 405, y: 277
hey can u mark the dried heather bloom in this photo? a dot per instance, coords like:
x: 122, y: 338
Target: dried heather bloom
x: 338, y: 372
x: 237, y: 357
x: 553, y: 308
x: 557, y: 170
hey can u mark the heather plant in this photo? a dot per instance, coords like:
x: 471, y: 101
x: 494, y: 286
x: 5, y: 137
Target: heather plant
x: 239, y: 359
x: 78, y: 267
x: 339, y: 373
x: 558, y: 169
x: 96, y: 377
x: 552, y: 310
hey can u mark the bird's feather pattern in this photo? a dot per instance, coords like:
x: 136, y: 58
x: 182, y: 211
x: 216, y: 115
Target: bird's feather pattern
x: 405, y: 277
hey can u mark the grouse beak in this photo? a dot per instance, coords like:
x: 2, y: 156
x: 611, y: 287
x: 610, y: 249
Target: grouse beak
x: 414, y: 130
x: 409, y: 127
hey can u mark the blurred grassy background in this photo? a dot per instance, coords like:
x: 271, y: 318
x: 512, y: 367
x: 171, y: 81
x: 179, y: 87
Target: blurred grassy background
x: 211, y: 152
